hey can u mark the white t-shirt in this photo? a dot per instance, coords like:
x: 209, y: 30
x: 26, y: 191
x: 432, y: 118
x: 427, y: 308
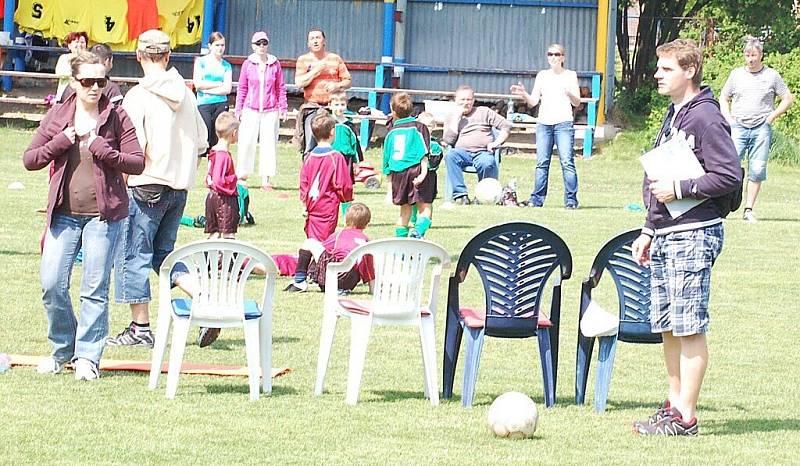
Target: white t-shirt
x: 554, y: 106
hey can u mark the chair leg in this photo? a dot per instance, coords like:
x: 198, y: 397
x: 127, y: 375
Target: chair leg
x: 605, y: 364
x: 160, y: 346
x: 452, y: 345
x: 251, y: 344
x: 325, y: 344
x: 265, y: 346
x: 546, y: 357
x: 180, y: 333
x: 582, y: 362
x: 428, y: 340
x: 359, y: 339
x: 471, y: 365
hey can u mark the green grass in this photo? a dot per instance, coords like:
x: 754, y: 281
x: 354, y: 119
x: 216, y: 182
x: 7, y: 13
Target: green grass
x: 748, y: 408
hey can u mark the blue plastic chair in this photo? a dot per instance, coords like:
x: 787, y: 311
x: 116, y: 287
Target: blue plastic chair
x: 514, y: 261
x: 632, y: 283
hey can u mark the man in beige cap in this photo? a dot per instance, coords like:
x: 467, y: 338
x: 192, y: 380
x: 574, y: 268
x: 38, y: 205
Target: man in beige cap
x: 172, y: 134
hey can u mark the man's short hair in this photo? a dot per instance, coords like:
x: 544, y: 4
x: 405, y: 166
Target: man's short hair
x: 226, y: 124
x: 753, y: 43
x: 687, y: 54
x: 153, y: 45
x: 357, y: 216
x: 339, y: 96
x: 316, y: 29
x: 401, y: 104
x: 103, y: 51
x: 322, y: 125
x: 465, y: 87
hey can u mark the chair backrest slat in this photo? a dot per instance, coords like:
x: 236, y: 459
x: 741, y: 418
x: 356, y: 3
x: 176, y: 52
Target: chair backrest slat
x: 221, y: 269
x: 514, y: 261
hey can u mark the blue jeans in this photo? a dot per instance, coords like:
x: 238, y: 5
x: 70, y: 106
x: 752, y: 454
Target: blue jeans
x: 149, y: 236
x: 457, y: 160
x: 71, y: 338
x: 754, y: 143
x: 563, y: 134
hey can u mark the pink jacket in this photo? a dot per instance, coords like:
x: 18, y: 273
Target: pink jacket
x: 251, y: 95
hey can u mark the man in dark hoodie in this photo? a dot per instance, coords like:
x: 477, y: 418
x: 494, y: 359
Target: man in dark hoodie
x: 680, y: 251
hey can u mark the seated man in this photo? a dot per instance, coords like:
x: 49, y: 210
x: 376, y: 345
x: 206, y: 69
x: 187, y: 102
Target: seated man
x: 469, y: 134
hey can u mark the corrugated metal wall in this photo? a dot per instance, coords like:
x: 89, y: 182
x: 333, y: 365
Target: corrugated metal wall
x: 353, y: 29
x: 494, y: 36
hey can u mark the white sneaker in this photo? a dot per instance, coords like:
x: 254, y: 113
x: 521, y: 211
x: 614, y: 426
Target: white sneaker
x: 85, y: 370
x: 748, y: 216
x: 49, y: 365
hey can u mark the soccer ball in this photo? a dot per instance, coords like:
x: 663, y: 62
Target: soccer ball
x: 488, y: 191
x: 513, y: 415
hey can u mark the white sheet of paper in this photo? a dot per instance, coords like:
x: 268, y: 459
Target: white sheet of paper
x: 673, y: 160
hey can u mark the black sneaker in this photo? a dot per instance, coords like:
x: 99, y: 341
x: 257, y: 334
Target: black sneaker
x: 131, y: 337
x: 207, y: 336
x: 294, y: 288
x: 671, y: 424
x: 461, y: 200
x: 413, y: 233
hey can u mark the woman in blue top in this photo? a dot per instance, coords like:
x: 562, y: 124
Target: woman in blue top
x: 212, y: 78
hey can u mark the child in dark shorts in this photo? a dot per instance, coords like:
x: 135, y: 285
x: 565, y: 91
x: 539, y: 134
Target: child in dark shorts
x: 222, y: 201
x: 405, y: 159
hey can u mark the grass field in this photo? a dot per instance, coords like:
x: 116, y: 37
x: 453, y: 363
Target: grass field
x: 749, y: 408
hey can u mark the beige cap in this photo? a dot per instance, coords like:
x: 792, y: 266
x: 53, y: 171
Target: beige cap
x: 153, y: 41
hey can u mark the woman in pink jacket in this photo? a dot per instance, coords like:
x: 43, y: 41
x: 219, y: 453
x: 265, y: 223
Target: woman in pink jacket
x: 260, y: 102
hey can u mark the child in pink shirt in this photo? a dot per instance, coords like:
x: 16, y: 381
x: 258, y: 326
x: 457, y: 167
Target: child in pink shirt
x: 334, y: 249
x: 324, y: 180
x: 222, y: 201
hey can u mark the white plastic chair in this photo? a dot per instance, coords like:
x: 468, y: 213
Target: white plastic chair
x: 400, y: 267
x: 221, y: 269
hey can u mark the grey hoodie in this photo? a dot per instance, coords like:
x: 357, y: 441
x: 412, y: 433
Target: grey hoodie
x: 169, y: 128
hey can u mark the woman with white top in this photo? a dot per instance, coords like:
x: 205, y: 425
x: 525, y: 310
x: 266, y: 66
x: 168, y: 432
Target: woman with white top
x: 555, y: 91
x: 212, y: 77
x: 76, y: 43
x: 260, y: 103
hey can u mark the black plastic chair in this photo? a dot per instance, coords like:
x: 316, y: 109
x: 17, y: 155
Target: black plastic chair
x: 514, y: 261
x: 632, y: 283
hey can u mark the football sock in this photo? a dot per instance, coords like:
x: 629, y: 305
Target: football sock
x: 413, y: 218
x: 344, y: 206
x: 401, y: 232
x: 303, y: 260
x: 423, y: 225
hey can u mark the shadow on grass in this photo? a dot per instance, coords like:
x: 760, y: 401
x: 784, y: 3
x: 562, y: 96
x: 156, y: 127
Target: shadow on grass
x: 241, y: 386
x: 768, y: 219
x: 18, y: 253
x: 237, y: 344
x: 398, y: 395
x: 747, y: 426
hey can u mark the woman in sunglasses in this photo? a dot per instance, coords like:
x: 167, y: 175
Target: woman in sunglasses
x: 555, y: 91
x: 91, y: 143
x: 212, y: 78
x: 260, y: 103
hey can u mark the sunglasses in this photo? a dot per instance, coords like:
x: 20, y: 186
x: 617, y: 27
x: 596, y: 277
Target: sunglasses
x: 90, y: 82
x: 554, y: 54
x: 261, y: 42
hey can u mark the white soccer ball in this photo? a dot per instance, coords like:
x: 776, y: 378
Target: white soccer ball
x: 488, y: 191
x: 513, y: 415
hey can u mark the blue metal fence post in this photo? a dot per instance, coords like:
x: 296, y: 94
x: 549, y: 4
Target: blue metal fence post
x: 208, y: 25
x: 372, y: 102
x: 387, y: 55
x: 8, y: 26
x: 588, y: 134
